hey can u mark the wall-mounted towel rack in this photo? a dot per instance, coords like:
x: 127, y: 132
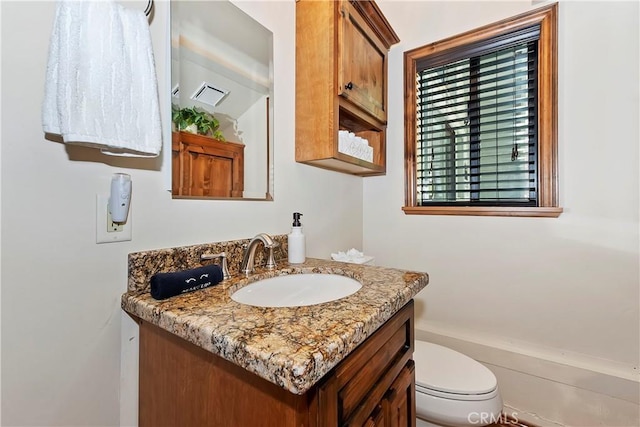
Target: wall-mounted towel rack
x: 147, y: 11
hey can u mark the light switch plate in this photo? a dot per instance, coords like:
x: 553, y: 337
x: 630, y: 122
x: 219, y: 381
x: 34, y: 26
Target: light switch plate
x: 106, y: 230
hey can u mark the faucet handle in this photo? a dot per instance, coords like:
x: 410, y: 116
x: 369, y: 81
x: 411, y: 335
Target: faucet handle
x: 271, y: 260
x: 223, y: 263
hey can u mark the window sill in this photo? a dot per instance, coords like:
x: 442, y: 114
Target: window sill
x: 546, y: 212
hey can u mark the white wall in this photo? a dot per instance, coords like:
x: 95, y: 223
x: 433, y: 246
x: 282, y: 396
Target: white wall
x: 564, y: 290
x: 254, y: 132
x: 63, y: 332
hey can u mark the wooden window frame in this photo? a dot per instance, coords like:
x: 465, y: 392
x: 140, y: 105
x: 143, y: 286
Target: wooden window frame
x: 546, y: 17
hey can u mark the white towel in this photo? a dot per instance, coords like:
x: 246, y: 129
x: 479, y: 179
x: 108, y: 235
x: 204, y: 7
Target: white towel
x: 353, y: 256
x: 101, y: 88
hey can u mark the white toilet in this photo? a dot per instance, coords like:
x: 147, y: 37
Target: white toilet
x: 453, y: 389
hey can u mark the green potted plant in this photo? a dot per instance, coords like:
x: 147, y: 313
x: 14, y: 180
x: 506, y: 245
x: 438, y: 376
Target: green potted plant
x: 196, y: 120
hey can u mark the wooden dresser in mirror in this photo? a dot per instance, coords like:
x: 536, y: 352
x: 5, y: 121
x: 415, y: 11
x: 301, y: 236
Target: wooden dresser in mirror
x: 205, y: 167
x: 222, y: 64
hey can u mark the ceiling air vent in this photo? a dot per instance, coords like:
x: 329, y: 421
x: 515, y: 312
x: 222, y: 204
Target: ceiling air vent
x: 209, y: 94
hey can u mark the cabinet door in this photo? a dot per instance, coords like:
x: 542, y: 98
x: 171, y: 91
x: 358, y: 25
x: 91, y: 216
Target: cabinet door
x: 352, y: 393
x: 399, y: 403
x: 207, y: 167
x: 377, y: 418
x: 361, y: 64
x: 207, y: 174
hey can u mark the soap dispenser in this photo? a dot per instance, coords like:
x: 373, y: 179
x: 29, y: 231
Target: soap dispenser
x: 296, y: 241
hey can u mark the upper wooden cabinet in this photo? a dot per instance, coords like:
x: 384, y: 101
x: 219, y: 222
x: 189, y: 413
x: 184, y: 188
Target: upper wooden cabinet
x: 341, y: 82
x: 362, y: 60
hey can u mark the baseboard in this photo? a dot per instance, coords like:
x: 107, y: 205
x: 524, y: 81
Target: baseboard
x: 515, y: 417
x: 543, y: 392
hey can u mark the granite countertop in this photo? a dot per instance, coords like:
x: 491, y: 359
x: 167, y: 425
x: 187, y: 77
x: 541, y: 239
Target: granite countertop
x: 292, y: 347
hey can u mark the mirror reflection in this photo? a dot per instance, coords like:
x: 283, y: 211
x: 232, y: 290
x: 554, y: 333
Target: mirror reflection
x: 222, y: 97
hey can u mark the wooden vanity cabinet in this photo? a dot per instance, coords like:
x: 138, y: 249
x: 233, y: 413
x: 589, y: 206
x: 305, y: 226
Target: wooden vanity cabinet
x: 184, y: 385
x: 341, y: 82
x: 204, y: 166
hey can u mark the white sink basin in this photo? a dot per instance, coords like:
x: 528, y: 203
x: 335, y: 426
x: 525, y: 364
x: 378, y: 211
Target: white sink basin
x: 296, y: 290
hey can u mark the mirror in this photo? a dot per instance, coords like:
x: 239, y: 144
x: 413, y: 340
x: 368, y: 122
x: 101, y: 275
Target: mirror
x: 221, y: 64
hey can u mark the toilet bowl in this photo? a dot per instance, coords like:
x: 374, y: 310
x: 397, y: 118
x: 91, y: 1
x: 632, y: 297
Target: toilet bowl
x: 452, y: 389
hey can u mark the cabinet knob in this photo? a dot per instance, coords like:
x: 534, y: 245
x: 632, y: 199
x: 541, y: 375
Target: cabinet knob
x: 349, y: 86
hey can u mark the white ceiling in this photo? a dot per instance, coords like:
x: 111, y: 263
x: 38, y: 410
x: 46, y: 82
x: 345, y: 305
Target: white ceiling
x: 216, y: 42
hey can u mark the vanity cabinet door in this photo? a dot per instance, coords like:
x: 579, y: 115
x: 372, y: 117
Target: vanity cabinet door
x: 363, y: 388
x: 362, y: 64
x: 377, y: 418
x: 400, y: 399
x: 397, y: 408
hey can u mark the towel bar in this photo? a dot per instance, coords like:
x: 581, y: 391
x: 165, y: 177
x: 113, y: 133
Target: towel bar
x: 147, y: 11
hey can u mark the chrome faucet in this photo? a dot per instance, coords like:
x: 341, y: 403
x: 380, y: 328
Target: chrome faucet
x: 249, y: 255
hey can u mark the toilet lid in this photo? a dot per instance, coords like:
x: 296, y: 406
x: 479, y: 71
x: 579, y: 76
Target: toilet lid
x: 462, y: 375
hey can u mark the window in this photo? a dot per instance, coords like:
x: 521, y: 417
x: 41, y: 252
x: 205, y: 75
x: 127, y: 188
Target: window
x: 481, y: 122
